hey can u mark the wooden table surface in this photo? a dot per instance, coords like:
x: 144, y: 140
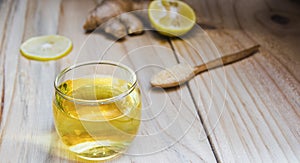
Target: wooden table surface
x: 244, y: 112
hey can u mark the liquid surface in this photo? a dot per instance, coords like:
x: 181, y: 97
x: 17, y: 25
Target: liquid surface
x: 97, y: 131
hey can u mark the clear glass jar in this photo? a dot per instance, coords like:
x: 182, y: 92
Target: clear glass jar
x: 97, y: 109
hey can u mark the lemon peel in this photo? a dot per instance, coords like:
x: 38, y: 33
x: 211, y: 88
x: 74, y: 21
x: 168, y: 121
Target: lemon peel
x: 47, y: 47
x: 171, y: 17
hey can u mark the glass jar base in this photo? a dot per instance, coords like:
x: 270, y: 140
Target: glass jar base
x: 98, y: 150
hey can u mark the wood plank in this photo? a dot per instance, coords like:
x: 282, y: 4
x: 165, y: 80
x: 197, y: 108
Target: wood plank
x: 27, y: 121
x: 249, y: 110
x: 4, y: 12
x: 170, y: 129
x: 11, y: 36
x: 258, y: 117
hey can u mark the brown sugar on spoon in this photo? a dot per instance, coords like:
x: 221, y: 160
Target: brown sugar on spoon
x: 182, y: 73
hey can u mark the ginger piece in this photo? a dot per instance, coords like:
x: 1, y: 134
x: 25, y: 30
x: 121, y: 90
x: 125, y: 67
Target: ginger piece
x: 132, y: 23
x: 108, y: 9
x: 105, y: 11
x: 115, y: 28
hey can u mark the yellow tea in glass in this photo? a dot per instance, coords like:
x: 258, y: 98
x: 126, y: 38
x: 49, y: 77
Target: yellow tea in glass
x: 97, y: 109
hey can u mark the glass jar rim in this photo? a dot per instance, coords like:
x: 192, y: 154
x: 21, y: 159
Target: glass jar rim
x: 99, y: 101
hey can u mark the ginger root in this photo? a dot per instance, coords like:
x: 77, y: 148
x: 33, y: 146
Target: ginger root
x: 116, y: 28
x: 132, y: 23
x: 120, y: 26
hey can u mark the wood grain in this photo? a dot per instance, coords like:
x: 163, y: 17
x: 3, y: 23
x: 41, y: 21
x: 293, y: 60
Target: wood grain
x: 26, y: 120
x: 12, y: 25
x: 4, y: 11
x: 259, y: 118
x: 170, y: 127
x: 244, y: 112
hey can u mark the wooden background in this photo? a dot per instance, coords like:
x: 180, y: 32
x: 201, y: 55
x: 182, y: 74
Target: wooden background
x: 245, y: 112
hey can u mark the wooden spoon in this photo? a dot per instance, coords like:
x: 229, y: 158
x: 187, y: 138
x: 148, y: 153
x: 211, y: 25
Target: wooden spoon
x: 182, y: 73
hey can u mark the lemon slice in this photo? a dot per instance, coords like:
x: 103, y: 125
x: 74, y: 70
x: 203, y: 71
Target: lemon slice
x: 171, y: 17
x: 44, y: 48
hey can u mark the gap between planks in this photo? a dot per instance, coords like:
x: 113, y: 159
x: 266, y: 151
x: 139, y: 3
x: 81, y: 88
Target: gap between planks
x: 196, y: 107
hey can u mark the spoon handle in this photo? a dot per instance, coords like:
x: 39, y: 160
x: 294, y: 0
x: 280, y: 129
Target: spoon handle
x: 227, y: 59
